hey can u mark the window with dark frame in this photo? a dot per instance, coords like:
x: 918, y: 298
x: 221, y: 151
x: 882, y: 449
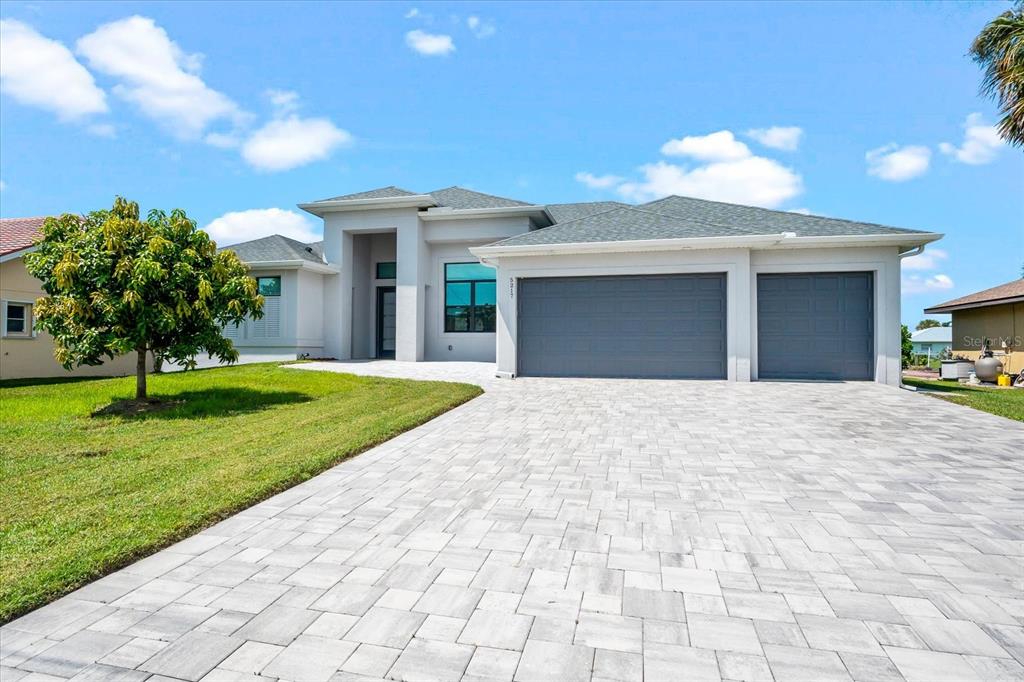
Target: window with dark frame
x: 387, y: 270
x: 269, y: 286
x: 470, y: 298
x: 17, y: 319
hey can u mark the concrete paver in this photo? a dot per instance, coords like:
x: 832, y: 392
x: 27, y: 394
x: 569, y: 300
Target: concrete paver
x: 594, y: 529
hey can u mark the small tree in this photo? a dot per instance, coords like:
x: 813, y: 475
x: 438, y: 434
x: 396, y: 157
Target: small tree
x: 906, y: 346
x: 117, y: 284
x: 927, y: 324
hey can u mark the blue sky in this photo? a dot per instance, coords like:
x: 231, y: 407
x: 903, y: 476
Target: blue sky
x: 236, y: 112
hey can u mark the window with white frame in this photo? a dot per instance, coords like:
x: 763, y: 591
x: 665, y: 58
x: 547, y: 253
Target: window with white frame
x: 268, y: 326
x: 17, y: 319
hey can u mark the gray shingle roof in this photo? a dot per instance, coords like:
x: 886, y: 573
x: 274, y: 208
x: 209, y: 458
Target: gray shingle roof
x: 672, y: 217
x: 389, y: 192
x: 276, y: 248
x: 627, y: 223
x: 753, y: 220
x: 459, y: 197
x: 452, y: 197
x: 565, y: 212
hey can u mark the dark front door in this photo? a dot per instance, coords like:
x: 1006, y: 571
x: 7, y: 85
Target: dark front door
x: 654, y: 326
x: 385, y: 322
x: 816, y: 326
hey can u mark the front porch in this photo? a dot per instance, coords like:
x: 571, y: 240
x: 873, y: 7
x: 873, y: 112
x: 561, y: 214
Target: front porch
x: 405, y: 293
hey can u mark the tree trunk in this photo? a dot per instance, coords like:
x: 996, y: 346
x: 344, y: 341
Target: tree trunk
x: 140, y: 374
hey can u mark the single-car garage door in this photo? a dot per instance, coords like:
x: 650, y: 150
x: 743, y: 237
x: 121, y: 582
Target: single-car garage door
x: 669, y: 326
x: 816, y: 326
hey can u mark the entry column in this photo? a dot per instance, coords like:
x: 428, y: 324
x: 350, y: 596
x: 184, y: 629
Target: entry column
x: 410, y: 290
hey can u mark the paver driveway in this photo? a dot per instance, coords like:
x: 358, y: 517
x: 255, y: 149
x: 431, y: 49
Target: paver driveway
x: 616, y: 530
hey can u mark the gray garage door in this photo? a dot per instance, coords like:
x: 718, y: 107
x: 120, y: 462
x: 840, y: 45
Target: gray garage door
x: 816, y: 326
x: 670, y: 326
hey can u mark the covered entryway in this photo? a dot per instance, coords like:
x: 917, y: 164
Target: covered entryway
x: 816, y: 326
x: 649, y: 326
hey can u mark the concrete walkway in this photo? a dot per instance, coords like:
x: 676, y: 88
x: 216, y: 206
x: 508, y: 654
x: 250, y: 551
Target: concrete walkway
x: 478, y: 373
x: 590, y: 529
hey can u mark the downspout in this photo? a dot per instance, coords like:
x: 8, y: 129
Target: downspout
x: 917, y: 250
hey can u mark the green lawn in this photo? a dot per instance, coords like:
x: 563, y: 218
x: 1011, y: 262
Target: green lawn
x: 1007, y: 403
x: 84, y: 495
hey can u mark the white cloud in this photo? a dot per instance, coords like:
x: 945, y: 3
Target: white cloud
x: 917, y: 284
x: 3, y: 185
x: 241, y: 226
x: 43, y: 73
x: 223, y: 140
x: 284, y: 101
x: 801, y: 211
x: 786, y: 138
x: 481, y: 28
x: 928, y: 260
x: 981, y: 143
x: 412, y: 13
x: 755, y: 181
x: 896, y: 164
x: 290, y: 142
x: 720, y: 146
x: 598, y: 181
x: 103, y: 130
x: 157, y: 76
x: 429, y: 44
x: 729, y: 172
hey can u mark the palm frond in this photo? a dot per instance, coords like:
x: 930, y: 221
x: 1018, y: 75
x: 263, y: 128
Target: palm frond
x: 999, y: 49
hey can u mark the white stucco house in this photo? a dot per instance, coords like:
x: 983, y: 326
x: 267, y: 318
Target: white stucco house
x: 675, y: 288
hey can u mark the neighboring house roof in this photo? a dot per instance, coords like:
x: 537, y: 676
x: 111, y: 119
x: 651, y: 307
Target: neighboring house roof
x: 19, y: 233
x: 459, y: 197
x: 562, y: 213
x: 275, y: 249
x: 933, y: 335
x: 1011, y: 292
x: 754, y: 220
x: 388, y: 192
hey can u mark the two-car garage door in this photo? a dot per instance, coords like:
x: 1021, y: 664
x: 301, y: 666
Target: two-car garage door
x: 669, y: 326
x: 809, y: 326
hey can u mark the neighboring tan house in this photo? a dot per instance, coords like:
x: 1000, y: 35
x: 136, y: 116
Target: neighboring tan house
x: 932, y: 342
x: 24, y: 351
x: 675, y: 288
x: 996, y: 314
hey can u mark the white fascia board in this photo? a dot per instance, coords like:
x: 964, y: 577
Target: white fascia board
x: 18, y: 254
x: 319, y: 208
x: 447, y: 213
x: 322, y: 268
x: 858, y: 240
x: 769, y: 241
x: 743, y: 241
